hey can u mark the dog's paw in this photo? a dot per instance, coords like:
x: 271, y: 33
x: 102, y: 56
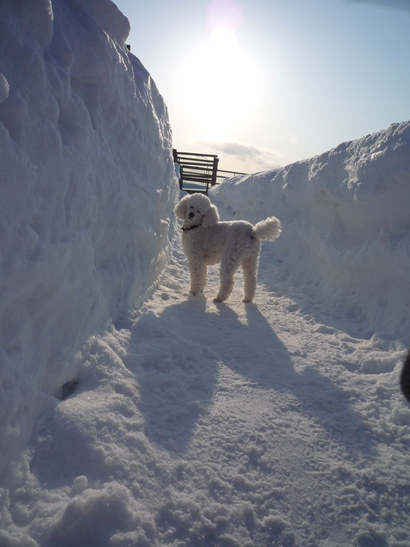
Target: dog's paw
x: 196, y: 293
x: 220, y: 298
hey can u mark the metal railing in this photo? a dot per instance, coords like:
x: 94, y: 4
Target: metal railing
x: 198, y: 172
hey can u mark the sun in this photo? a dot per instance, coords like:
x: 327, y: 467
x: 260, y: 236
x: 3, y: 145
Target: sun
x: 219, y: 84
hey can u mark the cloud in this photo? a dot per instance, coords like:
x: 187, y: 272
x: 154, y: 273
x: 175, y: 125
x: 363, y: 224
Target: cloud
x: 246, y: 158
x: 292, y: 138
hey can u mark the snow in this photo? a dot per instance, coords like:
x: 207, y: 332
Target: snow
x: 346, y: 242
x: 84, y: 221
x: 134, y: 414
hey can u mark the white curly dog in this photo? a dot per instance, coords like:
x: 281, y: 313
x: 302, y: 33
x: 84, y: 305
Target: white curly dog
x: 206, y: 241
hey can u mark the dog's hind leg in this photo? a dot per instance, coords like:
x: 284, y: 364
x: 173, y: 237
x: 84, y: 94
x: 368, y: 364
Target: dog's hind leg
x: 198, y: 271
x: 250, y: 272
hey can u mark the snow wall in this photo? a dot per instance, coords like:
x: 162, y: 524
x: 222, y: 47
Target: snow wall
x: 87, y: 188
x: 346, y: 227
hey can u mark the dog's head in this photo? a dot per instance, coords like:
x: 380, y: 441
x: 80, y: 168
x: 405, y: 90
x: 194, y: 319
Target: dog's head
x: 196, y: 209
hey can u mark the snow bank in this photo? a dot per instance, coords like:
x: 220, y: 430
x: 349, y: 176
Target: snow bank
x: 86, y: 190
x: 346, y: 227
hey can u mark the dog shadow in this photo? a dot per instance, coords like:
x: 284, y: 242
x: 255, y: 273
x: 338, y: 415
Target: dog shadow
x: 179, y: 376
x: 266, y: 362
x: 175, y: 371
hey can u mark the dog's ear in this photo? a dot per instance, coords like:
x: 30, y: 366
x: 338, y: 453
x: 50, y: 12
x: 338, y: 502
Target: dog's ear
x: 211, y: 217
x: 180, y: 208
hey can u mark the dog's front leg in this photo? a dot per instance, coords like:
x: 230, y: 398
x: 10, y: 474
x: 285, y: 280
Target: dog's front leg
x: 228, y: 269
x: 198, y: 271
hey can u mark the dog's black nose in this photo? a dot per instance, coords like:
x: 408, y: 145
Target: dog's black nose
x: 191, y: 215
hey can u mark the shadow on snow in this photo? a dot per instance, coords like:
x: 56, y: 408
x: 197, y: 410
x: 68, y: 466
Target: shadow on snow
x: 179, y: 354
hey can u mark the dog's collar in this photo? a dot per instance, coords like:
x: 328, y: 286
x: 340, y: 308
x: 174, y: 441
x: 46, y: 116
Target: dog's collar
x: 190, y: 227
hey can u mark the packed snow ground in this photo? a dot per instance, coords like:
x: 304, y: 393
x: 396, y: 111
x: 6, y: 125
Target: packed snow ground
x: 183, y: 422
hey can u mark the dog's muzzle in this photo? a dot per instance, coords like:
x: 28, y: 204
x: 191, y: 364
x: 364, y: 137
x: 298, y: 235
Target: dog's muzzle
x: 191, y: 215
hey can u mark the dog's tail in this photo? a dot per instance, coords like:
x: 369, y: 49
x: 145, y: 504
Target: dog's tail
x: 268, y: 229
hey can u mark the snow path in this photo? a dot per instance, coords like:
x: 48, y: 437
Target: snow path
x: 258, y: 412
x: 226, y: 424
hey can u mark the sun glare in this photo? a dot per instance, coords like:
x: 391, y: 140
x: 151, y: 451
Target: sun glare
x: 219, y: 84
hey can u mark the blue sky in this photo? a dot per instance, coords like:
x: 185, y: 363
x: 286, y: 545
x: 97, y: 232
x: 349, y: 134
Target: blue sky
x: 278, y: 81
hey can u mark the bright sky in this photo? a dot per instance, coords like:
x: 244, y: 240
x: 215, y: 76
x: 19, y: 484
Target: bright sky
x: 263, y: 83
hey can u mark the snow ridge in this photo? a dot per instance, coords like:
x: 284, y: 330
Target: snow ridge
x: 87, y: 188
x: 346, y: 232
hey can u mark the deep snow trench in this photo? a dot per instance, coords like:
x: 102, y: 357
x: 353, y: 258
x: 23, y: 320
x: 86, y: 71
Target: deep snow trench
x: 134, y: 415
x: 223, y: 424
